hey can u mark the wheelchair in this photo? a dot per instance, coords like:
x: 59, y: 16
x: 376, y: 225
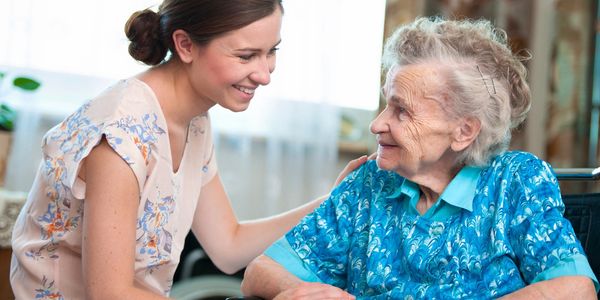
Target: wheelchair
x: 197, y: 278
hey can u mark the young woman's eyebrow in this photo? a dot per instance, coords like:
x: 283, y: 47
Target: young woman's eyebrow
x: 257, y: 49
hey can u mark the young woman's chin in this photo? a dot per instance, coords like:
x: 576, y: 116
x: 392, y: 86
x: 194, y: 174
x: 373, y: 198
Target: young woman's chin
x: 236, y: 106
x: 236, y: 110
x: 237, y: 102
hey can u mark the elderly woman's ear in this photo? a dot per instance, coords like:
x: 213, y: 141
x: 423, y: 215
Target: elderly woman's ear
x: 466, y: 133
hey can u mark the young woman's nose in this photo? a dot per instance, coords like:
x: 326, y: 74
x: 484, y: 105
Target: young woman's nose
x: 262, y: 73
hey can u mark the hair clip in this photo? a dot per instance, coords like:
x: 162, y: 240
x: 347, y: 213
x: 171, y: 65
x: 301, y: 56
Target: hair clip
x: 485, y: 82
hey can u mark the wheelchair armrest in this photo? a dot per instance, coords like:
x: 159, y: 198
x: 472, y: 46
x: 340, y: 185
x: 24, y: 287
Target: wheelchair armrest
x: 577, y: 173
x: 583, y: 212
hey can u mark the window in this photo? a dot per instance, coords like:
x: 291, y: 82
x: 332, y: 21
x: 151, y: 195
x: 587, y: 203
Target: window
x: 330, y: 51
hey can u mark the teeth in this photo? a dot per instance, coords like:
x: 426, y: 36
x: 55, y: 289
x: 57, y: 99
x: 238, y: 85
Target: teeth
x: 245, y: 90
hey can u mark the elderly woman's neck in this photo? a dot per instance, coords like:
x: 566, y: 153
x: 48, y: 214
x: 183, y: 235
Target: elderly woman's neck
x: 432, y: 184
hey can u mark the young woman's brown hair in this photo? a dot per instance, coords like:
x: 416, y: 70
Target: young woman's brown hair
x: 151, y: 32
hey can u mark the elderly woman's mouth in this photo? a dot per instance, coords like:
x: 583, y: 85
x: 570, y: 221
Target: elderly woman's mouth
x: 384, y: 145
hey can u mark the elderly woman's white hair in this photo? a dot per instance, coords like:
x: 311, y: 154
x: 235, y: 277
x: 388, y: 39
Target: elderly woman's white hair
x: 483, y: 78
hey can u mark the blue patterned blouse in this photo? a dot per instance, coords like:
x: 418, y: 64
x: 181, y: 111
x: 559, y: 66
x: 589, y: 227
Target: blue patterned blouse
x: 493, y: 231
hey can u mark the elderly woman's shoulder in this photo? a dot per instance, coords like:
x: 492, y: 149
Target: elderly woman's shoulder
x: 515, y: 156
x: 515, y: 162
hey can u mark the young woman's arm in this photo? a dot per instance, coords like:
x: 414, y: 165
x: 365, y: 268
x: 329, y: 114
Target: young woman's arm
x: 109, y: 225
x: 231, y: 244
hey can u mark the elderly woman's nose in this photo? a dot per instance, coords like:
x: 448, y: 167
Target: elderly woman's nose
x: 378, y: 124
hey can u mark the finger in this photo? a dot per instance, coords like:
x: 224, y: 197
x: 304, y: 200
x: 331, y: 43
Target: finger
x: 351, y: 166
x: 373, y: 156
x: 316, y: 291
x: 355, y: 163
x: 325, y: 291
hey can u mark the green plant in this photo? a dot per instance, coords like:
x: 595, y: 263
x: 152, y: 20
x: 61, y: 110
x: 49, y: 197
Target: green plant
x: 7, y: 113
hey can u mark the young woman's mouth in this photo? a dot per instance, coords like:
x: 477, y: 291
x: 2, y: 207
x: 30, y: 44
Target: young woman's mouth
x: 245, y: 90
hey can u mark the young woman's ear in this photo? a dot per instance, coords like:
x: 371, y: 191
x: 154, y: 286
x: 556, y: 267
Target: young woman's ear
x: 183, y: 45
x: 466, y: 133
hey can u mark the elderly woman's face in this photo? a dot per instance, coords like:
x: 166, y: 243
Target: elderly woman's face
x: 414, y: 132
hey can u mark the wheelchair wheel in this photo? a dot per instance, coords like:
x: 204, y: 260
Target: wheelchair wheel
x: 206, y: 287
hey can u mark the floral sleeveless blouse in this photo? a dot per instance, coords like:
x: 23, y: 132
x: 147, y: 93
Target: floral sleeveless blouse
x: 47, y: 236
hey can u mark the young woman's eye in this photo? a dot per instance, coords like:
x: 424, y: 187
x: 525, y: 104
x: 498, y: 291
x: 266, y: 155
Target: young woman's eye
x: 273, y: 51
x: 246, y: 57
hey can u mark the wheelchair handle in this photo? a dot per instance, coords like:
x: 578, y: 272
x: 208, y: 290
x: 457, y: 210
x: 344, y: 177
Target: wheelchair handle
x: 577, y: 173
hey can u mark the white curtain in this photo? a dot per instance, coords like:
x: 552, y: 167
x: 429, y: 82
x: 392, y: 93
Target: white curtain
x: 72, y: 36
x: 280, y: 153
x: 280, y: 156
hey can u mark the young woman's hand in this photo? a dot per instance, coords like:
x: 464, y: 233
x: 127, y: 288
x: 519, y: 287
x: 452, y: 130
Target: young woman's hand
x: 352, y: 165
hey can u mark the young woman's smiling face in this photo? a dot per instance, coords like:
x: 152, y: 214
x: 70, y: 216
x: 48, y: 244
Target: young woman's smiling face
x: 231, y: 67
x: 414, y: 131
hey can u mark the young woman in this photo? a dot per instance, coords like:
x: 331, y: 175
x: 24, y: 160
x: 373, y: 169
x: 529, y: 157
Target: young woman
x: 126, y: 177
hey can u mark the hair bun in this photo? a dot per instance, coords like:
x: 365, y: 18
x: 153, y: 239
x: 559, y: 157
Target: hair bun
x: 143, y: 30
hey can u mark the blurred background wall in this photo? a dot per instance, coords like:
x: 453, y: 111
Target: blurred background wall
x: 314, y: 117
x: 561, y: 37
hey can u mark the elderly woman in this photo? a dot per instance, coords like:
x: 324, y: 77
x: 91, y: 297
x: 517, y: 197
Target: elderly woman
x: 446, y: 211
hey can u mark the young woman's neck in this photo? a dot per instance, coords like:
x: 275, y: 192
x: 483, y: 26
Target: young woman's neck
x: 178, y: 99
